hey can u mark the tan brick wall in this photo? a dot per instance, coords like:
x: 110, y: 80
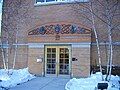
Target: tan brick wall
x: 103, y: 53
x: 48, y: 14
x: 55, y: 14
x: 81, y: 67
x: 34, y: 66
x: 67, y: 38
x: 21, y: 57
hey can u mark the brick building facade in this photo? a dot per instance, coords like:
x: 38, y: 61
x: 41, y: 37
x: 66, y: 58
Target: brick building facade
x: 53, y: 38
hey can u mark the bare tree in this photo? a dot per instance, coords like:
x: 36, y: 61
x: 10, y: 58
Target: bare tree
x: 107, y: 12
x: 88, y: 8
x: 14, y: 13
x: 110, y: 13
x: 96, y: 38
x: 14, y: 59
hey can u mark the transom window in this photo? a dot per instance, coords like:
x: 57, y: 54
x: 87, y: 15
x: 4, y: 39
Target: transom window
x: 53, y: 1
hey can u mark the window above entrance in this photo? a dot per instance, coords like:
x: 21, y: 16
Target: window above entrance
x: 57, y: 1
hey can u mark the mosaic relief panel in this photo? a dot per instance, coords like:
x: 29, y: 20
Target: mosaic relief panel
x: 59, y: 29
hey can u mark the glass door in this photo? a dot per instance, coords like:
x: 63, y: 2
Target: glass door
x: 51, y: 61
x: 57, y: 60
x: 64, y: 61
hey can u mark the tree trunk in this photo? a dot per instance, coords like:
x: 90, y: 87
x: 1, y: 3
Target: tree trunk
x: 7, y: 64
x: 96, y: 38
x: 111, y: 51
x: 108, y: 61
x: 109, y: 25
x: 15, y: 51
x: 3, y: 58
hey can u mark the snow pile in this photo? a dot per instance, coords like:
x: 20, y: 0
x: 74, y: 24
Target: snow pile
x: 14, y: 77
x: 91, y: 82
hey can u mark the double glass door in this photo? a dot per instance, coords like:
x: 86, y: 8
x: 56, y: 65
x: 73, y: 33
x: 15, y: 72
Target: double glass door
x: 57, y: 60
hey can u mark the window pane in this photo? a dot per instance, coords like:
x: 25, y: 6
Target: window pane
x: 66, y: 55
x: 48, y: 66
x: 49, y: 55
x: 48, y: 60
x: 66, y: 61
x: 53, y: 55
x: 66, y: 50
x: 53, y: 50
x: 39, y: 1
x: 49, y: 50
x: 61, y: 61
x: 61, y: 55
x: 53, y: 60
x: 49, y: 0
x: 61, y: 50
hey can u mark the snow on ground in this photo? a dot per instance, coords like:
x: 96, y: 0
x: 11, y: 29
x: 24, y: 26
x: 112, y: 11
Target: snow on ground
x: 14, y: 77
x: 91, y: 82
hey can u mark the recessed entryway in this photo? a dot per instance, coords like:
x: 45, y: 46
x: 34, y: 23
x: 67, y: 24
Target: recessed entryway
x: 57, y: 60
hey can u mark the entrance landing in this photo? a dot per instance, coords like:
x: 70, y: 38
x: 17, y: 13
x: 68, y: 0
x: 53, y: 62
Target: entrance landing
x: 43, y: 83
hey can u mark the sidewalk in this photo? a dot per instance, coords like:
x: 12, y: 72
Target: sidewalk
x: 43, y: 83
